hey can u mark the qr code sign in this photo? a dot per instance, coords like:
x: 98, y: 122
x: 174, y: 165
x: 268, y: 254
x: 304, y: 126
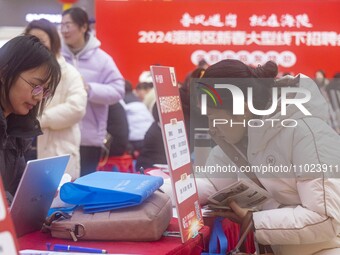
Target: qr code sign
x: 170, y: 104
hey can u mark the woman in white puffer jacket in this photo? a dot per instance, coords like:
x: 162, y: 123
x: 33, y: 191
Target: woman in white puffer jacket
x: 61, y: 117
x: 307, y: 220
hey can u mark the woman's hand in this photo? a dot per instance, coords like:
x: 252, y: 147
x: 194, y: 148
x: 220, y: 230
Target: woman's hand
x: 236, y: 213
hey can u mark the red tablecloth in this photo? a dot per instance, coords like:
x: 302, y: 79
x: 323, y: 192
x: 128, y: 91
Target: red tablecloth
x: 166, y: 245
x: 232, y: 231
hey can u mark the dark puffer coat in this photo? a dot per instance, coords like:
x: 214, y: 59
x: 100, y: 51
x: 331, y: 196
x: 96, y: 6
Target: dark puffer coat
x: 15, y: 134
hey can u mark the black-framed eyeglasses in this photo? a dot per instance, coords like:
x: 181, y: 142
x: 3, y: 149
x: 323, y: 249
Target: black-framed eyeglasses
x: 37, y: 89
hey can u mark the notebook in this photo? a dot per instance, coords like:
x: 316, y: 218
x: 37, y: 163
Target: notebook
x: 35, y: 192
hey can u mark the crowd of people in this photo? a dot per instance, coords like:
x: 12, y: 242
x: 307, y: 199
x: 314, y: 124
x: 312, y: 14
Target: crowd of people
x: 68, y: 96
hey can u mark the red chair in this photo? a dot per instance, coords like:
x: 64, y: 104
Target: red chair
x: 122, y: 163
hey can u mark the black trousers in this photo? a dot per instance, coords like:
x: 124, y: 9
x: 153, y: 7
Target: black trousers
x: 89, y: 159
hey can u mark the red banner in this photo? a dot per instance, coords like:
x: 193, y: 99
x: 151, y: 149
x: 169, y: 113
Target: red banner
x: 301, y: 37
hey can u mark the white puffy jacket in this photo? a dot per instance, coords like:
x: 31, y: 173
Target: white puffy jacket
x: 308, y: 220
x: 61, y: 117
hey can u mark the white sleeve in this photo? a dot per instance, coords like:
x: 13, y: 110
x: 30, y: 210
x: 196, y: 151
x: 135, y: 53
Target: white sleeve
x: 211, y: 179
x: 317, y: 218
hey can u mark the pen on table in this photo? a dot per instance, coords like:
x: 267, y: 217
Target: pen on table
x: 65, y: 247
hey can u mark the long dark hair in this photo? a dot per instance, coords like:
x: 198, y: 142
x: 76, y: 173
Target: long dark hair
x: 24, y: 53
x: 50, y: 30
x: 231, y: 71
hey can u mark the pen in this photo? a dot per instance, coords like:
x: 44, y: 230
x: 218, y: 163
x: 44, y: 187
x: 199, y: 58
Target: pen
x: 64, y: 247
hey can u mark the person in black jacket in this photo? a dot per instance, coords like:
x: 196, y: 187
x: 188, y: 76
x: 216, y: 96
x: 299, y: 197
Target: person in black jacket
x: 153, y: 150
x: 29, y: 74
x: 118, y: 128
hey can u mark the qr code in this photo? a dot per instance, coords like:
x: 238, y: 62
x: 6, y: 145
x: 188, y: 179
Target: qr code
x: 170, y: 104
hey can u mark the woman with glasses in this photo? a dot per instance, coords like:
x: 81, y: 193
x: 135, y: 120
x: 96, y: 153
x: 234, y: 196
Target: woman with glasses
x: 103, y: 82
x: 60, y: 120
x: 29, y: 74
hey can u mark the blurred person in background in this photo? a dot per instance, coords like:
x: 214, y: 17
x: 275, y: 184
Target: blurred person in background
x: 322, y: 82
x: 139, y: 119
x: 60, y: 119
x: 202, y: 64
x: 29, y: 75
x: 145, y: 90
x: 103, y: 82
x: 118, y: 128
x: 320, y: 79
x: 153, y: 151
x: 142, y: 89
x: 117, y: 137
x: 333, y: 93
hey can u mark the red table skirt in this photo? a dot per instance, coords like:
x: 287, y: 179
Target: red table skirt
x: 232, y: 232
x: 166, y: 245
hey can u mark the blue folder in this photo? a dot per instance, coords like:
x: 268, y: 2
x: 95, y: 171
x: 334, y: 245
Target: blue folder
x: 102, y: 191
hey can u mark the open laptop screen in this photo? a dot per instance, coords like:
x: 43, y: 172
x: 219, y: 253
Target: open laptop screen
x: 35, y: 192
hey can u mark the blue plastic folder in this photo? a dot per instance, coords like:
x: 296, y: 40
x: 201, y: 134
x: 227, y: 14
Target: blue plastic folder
x: 103, y: 191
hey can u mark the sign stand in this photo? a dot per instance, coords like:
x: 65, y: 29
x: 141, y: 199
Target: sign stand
x: 177, y: 151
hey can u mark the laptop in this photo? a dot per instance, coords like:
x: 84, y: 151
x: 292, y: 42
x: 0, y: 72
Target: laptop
x: 36, y: 192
